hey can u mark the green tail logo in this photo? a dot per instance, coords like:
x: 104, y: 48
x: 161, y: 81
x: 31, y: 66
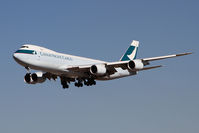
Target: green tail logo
x: 131, y: 52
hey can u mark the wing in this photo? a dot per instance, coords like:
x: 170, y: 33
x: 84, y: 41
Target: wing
x: 110, y: 66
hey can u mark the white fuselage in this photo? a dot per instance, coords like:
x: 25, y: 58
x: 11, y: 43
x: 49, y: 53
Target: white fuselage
x: 43, y: 59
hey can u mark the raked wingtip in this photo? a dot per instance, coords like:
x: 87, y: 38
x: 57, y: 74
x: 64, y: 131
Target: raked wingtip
x: 182, y: 54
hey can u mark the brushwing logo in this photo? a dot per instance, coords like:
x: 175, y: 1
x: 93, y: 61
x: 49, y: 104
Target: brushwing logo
x: 133, y: 54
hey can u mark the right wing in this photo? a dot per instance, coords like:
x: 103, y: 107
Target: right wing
x: 110, y: 66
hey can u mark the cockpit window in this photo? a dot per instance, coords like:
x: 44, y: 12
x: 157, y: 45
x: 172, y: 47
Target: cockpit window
x: 24, y: 46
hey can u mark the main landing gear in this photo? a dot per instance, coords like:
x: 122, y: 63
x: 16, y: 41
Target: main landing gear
x: 64, y: 84
x: 78, y: 82
x: 87, y: 82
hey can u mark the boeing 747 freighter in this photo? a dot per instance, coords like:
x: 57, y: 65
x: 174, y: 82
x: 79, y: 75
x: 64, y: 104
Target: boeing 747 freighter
x: 81, y: 70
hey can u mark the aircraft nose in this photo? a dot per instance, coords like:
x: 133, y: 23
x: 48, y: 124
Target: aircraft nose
x: 15, y: 56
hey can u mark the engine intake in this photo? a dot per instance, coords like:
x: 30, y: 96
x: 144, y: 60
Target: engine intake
x: 27, y: 78
x: 34, y: 78
x: 134, y: 65
x: 99, y: 70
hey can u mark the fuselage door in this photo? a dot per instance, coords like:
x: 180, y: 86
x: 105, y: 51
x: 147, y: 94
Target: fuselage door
x: 36, y: 54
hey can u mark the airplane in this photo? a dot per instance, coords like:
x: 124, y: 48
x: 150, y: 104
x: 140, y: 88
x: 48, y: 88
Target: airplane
x: 80, y: 70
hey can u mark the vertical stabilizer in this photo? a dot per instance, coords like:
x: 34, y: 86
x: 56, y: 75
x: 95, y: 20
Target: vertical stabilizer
x: 131, y: 51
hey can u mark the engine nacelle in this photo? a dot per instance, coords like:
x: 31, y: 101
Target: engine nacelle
x: 34, y: 78
x: 99, y: 70
x: 27, y: 78
x: 135, y: 65
x: 38, y: 77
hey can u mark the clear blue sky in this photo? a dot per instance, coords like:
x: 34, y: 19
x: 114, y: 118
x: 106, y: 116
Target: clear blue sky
x: 164, y: 100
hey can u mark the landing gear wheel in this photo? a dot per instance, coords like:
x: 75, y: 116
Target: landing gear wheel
x: 80, y: 85
x: 76, y: 84
x: 94, y: 82
x: 64, y: 84
x: 79, y: 82
x: 90, y: 82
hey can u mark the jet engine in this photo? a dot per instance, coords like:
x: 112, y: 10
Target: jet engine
x: 27, y: 78
x: 34, y: 78
x: 135, y: 65
x: 98, y: 70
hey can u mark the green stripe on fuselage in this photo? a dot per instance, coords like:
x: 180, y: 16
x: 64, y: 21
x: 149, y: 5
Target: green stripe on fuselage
x: 26, y: 51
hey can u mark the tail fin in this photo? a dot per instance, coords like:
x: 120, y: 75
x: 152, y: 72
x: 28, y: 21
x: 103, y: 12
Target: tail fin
x: 131, y: 51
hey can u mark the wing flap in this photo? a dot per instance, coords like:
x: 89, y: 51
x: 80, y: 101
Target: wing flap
x: 77, y: 68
